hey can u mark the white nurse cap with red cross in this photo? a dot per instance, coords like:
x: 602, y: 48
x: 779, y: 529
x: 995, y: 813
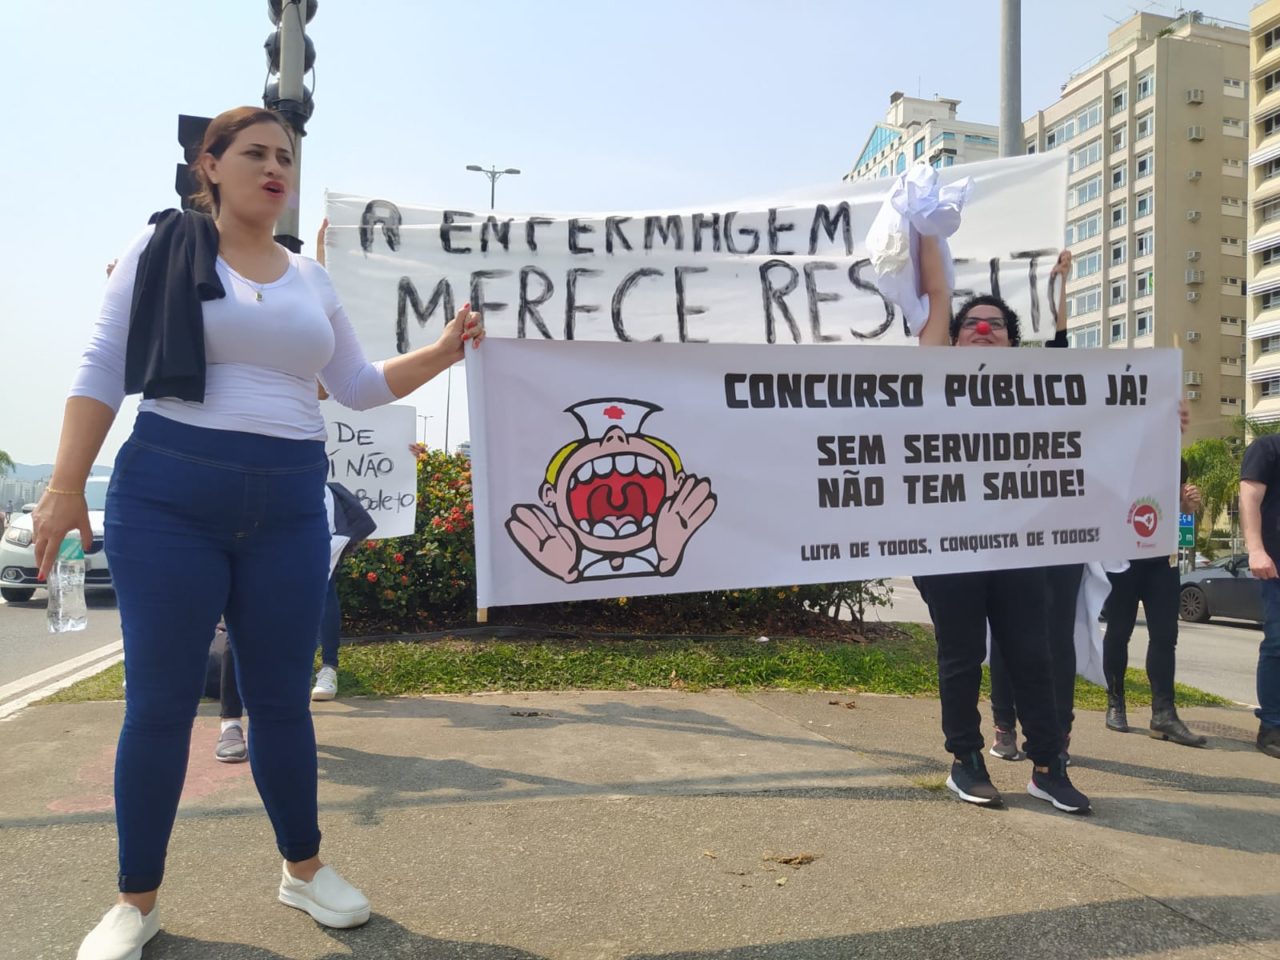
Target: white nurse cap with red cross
x: 599, y: 416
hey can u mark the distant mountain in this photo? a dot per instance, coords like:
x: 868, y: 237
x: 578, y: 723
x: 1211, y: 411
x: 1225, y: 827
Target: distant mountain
x: 38, y: 471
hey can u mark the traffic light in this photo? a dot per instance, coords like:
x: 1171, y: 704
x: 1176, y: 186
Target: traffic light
x: 291, y: 16
x: 191, y: 137
x: 272, y: 47
x: 274, y: 9
x: 289, y: 108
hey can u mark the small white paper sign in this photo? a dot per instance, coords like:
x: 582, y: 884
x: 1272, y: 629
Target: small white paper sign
x: 369, y: 455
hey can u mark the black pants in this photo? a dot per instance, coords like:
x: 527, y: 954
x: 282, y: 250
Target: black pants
x: 1156, y: 583
x: 1015, y: 603
x: 232, y: 706
x: 1064, y: 588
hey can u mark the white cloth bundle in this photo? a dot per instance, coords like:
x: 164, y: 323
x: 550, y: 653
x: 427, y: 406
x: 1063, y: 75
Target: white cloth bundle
x: 916, y: 206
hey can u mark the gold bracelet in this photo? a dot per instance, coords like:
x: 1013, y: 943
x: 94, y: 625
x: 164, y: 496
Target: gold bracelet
x: 64, y: 493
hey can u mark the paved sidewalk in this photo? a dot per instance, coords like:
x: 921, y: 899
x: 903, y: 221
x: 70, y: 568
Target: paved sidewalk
x: 594, y: 826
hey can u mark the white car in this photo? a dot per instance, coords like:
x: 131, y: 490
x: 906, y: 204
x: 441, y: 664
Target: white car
x: 18, y: 559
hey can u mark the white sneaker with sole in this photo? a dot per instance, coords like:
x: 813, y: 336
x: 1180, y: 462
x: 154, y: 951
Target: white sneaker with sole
x: 120, y: 935
x: 326, y: 687
x: 328, y: 898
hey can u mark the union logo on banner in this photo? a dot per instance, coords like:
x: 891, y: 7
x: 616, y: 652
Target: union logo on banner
x: 1144, y: 518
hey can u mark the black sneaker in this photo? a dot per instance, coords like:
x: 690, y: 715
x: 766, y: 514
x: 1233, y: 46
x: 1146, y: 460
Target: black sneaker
x: 1006, y: 746
x: 969, y: 781
x: 1055, y: 786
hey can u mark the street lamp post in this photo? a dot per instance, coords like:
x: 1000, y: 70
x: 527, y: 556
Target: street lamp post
x: 447, y: 400
x: 424, y: 418
x: 493, y: 173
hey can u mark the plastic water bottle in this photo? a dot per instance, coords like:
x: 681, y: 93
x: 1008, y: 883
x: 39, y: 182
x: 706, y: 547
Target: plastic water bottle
x: 67, y: 611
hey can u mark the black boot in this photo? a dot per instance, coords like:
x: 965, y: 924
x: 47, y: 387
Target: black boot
x: 1269, y: 740
x: 1166, y: 725
x: 1117, y: 720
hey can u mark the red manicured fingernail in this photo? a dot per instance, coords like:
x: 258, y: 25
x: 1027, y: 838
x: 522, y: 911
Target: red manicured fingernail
x: 466, y: 306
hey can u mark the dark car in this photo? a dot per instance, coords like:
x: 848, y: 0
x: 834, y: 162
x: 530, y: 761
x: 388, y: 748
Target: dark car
x: 1225, y: 588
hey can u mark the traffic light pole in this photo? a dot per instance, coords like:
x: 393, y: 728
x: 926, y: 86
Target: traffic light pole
x: 1011, y: 138
x: 190, y: 136
x: 293, y: 40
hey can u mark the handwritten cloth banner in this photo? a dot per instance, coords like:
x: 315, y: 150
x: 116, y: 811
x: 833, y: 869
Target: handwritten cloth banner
x: 787, y: 269
x: 369, y: 455
x: 606, y: 470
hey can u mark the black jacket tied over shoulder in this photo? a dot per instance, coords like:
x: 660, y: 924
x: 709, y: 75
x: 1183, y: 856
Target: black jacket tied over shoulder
x: 350, y: 518
x: 177, y: 272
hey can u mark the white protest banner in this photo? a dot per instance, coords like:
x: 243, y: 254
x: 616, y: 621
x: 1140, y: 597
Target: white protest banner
x: 786, y: 269
x: 608, y: 470
x: 369, y: 455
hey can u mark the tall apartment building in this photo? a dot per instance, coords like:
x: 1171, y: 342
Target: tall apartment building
x: 1262, y: 393
x: 14, y: 493
x: 1156, y: 128
x: 928, y: 130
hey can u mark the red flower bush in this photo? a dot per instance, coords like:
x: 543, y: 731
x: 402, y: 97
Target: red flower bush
x: 432, y: 571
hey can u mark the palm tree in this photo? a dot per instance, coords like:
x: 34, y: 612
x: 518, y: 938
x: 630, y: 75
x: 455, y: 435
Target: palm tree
x: 1256, y: 428
x: 1213, y: 465
x: 6, y: 463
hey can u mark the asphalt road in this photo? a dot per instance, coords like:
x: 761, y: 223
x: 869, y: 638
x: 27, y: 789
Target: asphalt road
x: 31, y: 656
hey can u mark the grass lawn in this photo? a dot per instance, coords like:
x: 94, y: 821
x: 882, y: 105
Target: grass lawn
x: 900, y: 660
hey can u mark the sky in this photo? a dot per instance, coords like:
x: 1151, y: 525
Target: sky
x: 601, y: 105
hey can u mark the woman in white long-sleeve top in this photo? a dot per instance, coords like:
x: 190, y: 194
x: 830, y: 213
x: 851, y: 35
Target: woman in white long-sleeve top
x: 217, y: 500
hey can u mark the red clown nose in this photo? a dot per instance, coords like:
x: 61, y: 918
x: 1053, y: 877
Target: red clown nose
x: 982, y: 328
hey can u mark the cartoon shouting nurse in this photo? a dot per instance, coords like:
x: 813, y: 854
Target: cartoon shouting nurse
x: 621, y: 503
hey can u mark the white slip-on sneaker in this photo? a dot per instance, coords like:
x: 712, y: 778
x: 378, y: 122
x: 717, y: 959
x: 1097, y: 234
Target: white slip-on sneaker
x: 326, y: 687
x: 120, y: 935
x: 328, y: 898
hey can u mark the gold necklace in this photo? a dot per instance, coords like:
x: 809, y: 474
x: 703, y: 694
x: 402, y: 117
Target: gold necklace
x: 255, y: 287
